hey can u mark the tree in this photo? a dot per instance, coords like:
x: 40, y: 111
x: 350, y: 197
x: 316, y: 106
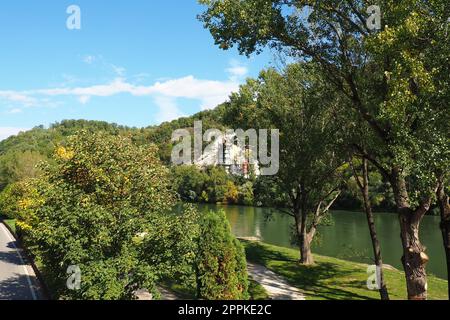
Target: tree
x: 297, y: 103
x: 268, y: 192
x: 189, y: 182
x: 221, y: 268
x: 232, y: 194
x: 19, y: 165
x: 20, y: 201
x: 364, y: 188
x: 246, y: 194
x: 388, y: 78
x: 216, y: 184
x: 443, y: 200
x: 106, y: 209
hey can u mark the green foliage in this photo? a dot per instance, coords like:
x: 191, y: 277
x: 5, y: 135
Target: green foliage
x: 221, y: 265
x: 212, y: 185
x: 246, y: 194
x: 20, y: 201
x: 232, y: 193
x: 299, y: 103
x: 380, y: 192
x: 106, y: 209
x: 189, y: 182
x: 19, y: 155
x: 268, y: 192
x: 393, y: 82
x: 9, y: 199
x: 19, y: 165
x: 216, y: 185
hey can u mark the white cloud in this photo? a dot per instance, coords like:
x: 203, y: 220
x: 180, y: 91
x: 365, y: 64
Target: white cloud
x: 6, y: 132
x: 89, y: 59
x: 14, y: 111
x: 84, y: 99
x: 237, y: 71
x: 14, y: 96
x: 209, y: 93
x: 168, y: 109
x: 102, y: 62
x: 120, y: 71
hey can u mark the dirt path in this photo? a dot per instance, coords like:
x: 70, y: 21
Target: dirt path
x: 276, y: 286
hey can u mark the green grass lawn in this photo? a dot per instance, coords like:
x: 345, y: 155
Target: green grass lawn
x: 257, y: 291
x: 11, y: 224
x: 331, y: 278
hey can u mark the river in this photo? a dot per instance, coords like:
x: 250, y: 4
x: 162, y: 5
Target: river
x: 347, y: 237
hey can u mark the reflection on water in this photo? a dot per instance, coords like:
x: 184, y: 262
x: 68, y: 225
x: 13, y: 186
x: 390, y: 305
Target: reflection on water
x: 347, y: 237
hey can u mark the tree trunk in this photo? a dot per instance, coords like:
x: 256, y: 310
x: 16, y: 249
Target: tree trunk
x: 414, y: 259
x: 304, y: 239
x: 306, y: 253
x: 364, y: 188
x: 444, y: 206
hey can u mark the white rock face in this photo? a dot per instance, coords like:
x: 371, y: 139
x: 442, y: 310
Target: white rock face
x: 230, y: 154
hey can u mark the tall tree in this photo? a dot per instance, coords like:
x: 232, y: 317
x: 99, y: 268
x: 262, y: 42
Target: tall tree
x: 297, y: 103
x: 382, y: 75
x: 443, y: 200
x: 365, y: 192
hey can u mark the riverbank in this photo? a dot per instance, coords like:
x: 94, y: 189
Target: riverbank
x: 331, y: 278
x: 345, y: 237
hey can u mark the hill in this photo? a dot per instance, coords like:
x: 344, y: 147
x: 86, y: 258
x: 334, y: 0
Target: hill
x: 19, y: 154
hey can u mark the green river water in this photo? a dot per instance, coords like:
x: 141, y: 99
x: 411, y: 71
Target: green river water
x: 347, y: 237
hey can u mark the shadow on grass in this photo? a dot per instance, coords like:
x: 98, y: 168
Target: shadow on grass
x: 324, y: 280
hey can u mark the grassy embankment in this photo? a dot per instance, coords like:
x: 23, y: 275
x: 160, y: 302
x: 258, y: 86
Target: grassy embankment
x: 331, y: 278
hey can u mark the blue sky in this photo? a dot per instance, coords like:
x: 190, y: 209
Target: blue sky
x: 135, y: 63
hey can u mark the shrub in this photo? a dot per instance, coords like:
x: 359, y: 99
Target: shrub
x: 107, y: 209
x: 220, y: 264
x: 20, y: 201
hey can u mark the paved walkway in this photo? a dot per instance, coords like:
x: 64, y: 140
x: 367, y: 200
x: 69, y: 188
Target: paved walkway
x: 276, y: 286
x: 166, y: 295
x: 17, y: 278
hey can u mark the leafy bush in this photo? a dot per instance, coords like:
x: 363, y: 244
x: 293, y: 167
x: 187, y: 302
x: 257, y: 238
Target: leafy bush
x: 107, y: 209
x: 221, y: 265
x: 20, y: 201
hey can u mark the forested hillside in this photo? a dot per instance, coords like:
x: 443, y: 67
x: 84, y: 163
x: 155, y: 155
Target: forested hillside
x: 20, y: 154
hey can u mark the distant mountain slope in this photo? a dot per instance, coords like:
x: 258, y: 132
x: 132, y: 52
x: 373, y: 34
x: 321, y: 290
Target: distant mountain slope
x: 19, y: 154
